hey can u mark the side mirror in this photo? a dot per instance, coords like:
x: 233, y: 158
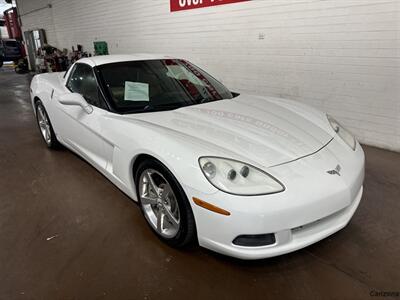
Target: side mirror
x: 77, y: 100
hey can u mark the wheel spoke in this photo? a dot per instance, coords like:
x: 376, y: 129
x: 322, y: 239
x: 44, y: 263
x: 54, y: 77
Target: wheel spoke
x: 47, y: 135
x: 146, y: 200
x: 41, y: 114
x: 165, y: 192
x: 171, y: 217
x: 160, y: 221
x: 151, y: 183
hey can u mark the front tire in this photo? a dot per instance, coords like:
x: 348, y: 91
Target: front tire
x: 45, y: 127
x: 164, y: 204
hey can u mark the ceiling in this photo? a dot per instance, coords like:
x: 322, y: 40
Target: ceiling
x: 3, y: 7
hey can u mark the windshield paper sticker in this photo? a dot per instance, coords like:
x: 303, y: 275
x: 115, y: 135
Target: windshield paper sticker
x: 136, y: 91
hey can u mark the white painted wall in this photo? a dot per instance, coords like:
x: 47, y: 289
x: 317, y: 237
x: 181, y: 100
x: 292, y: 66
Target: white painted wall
x: 3, y: 29
x: 4, y: 6
x: 3, y: 32
x: 341, y: 56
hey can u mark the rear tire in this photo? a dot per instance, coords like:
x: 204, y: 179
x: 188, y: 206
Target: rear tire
x: 45, y: 127
x: 162, y: 198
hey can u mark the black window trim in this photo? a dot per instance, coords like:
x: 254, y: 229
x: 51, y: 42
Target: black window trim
x: 94, y: 71
x: 67, y: 71
x: 72, y: 70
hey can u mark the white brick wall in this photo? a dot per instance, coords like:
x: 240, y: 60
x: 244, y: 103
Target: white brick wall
x: 341, y: 56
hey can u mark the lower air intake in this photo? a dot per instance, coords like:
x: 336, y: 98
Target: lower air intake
x: 256, y: 240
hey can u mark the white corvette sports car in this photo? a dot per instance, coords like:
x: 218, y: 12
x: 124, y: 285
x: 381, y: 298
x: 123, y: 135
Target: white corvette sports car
x: 247, y: 176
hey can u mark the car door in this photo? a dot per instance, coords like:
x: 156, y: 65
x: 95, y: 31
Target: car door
x: 79, y: 129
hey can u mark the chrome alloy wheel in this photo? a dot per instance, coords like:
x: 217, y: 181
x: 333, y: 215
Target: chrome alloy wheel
x: 159, y: 203
x: 44, y: 124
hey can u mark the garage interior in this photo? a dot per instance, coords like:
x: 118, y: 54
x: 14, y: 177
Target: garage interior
x: 66, y: 232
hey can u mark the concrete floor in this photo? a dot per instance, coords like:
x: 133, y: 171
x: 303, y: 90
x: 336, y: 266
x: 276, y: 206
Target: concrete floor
x: 67, y: 233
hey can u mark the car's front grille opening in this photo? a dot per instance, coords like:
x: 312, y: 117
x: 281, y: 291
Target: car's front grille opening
x: 256, y: 240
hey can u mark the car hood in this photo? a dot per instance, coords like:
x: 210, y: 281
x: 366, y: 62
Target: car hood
x: 268, y: 131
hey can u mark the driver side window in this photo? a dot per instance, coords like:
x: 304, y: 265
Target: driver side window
x: 82, y: 81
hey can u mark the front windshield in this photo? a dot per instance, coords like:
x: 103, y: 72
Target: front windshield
x: 152, y: 85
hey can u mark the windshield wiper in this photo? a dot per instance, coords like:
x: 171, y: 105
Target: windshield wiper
x: 164, y: 106
x: 200, y: 99
x: 155, y: 108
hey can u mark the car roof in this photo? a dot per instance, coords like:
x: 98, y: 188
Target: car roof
x: 109, y: 59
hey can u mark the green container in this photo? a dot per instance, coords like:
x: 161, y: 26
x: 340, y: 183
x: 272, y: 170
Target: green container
x: 100, y: 48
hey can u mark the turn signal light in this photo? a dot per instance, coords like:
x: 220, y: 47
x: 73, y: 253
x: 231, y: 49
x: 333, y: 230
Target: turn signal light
x: 211, y: 207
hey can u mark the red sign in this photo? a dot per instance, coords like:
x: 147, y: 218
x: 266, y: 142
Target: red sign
x: 191, y: 4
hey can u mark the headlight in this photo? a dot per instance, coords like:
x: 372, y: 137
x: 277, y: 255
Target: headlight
x: 346, y: 136
x: 235, y: 177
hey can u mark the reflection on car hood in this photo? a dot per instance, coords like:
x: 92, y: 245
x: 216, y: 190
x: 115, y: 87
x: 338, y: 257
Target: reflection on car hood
x: 269, y: 131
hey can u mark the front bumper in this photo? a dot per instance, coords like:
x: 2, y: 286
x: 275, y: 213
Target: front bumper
x: 314, y: 205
